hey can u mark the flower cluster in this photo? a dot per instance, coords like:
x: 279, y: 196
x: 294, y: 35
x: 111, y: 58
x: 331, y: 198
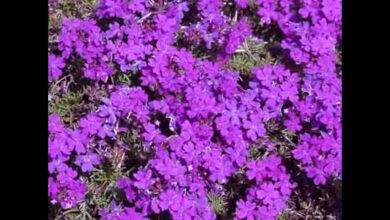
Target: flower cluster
x: 64, y: 187
x: 311, y: 35
x: 196, y: 119
x: 212, y: 27
x: 268, y: 196
x: 320, y: 156
x: 237, y: 35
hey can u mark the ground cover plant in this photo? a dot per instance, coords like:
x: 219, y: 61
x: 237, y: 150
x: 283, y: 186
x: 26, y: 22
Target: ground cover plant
x: 197, y: 109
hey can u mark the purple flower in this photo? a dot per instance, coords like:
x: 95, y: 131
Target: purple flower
x: 212, y: 116
x: 319, y: 155
x: 79, y: 141
x: 67, y: 175
x: 59, y: 147
x: 254, y: 126
x: 143, y: 179
x: 169, y: 168
x: 169, y: 199
x: 75, y: 193
x: 237, y: 155
x: 152, y: 135
x: 239, y: 32
x: 55, y: 66
x: 57, y: 164
x: 293, y: 124
x: 268, y: 193
x: 108, y: 112
x: 130, y: 213
x: 123, y: 182
x: 87, y: 161
x: 90, y: 124
x: 130, y: 194
x: 242, y: 3
x: 106, y: 130
x: 317, y: 174
x: 302, y: 154
x: 112, y: 212
x: 245, y: 210
x: 55, y: 125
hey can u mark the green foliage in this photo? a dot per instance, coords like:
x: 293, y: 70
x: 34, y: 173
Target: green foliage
x: 281, y: 216
x: 102, y: 189
x: 131, y: 138
x: 66, y: 106
x: 124, y: 79
x: 254, y: 153
x: 80, y: 213
x: 136, y: 155
x: 218, y: 203
x: 101, y: 186
x: 84, y: 213
x: 339, y: 58
x: 128, y: 77
x: 284, y: 141
x: 250, y: 54
x: 107, y: 176
x: 79, y: 9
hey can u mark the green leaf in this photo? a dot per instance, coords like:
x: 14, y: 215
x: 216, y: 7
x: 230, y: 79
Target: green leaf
x: 218, y: 203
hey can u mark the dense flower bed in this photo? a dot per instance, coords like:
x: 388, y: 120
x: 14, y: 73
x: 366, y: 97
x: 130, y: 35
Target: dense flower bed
x: 192, y: 109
